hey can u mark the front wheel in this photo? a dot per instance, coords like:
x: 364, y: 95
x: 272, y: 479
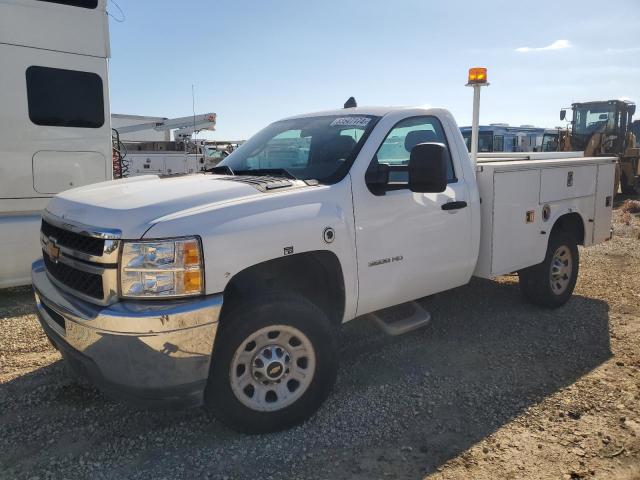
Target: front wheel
x: 550, y: 284
x: 273, y: 364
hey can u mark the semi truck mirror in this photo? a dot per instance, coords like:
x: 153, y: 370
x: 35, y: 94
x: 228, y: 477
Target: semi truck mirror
x: 428, y: 168
x: 632, y: 110
x: 563, y: 114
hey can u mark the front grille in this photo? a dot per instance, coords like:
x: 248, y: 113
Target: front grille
x: 74, y: 241
x: 87, y: 283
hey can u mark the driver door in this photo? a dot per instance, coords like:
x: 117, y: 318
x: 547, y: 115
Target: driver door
x: 408, y: 246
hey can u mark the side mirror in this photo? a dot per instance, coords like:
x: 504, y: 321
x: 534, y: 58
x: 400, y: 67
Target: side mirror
x: 563, y: 114
x: 428, y: 168
x: 377, y: 177
x: 632, y: 110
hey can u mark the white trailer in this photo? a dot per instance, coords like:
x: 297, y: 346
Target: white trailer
x: 54, y: 120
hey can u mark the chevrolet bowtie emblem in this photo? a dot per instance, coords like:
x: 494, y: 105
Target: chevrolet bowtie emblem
x: 52, y: 249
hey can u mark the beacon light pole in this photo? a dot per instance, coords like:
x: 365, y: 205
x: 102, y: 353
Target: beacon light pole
x: 477, y: 78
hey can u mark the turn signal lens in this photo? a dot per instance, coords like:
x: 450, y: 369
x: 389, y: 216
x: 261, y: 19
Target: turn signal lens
x: 477, y: 75
x: 191, y: 253
x: 192, y: 282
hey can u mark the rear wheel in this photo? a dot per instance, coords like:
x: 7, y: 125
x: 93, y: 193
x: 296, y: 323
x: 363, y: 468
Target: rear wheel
x: 628, y: 187
x: 624, y: 185
x: 273, y: 365
x: 550, y: 284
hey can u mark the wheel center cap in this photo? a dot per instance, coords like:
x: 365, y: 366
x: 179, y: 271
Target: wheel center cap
x: 275, y: 370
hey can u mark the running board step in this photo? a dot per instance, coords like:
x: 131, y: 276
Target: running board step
x: 402, y: 318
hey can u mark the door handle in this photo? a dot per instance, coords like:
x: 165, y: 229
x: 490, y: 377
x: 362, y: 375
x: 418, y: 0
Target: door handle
x: 454, y: 205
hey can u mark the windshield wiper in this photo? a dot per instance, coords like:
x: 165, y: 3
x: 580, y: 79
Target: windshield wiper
x: 261, y: 172
x: 221, y: 170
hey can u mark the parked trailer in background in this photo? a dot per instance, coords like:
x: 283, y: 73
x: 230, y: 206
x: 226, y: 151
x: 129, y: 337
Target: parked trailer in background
x: 54, y: 116
x: 500, y: 137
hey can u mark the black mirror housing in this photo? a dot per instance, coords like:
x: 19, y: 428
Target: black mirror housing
x: 563, y: 114
x: 377, y: 177
x: 428, y: 168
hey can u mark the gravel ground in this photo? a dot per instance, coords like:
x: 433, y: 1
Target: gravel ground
x: 492, y: 388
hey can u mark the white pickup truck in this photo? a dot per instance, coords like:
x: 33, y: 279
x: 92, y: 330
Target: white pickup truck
x: 228, y: 288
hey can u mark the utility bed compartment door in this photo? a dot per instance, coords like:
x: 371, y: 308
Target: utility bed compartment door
x: 146, y: 164
x: 604, y: 202
x: 516, y: 240
x: 562, y: 183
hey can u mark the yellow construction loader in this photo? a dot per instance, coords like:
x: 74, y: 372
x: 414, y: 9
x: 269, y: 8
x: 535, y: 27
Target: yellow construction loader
x: 604, y: 129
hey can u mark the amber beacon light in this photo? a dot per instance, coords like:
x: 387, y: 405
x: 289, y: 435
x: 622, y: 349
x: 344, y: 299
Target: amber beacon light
x: 477, y: 76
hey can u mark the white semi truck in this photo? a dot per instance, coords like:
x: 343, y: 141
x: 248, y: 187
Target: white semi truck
x: 228, y: 289
x: 55, y: 129
x: 55, y: 132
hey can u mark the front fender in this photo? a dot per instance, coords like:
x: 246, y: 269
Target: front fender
x: 239, y: 235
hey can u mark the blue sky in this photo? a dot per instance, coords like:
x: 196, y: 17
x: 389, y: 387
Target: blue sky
x: 253, y: 62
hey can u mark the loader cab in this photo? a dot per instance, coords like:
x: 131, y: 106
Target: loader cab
x: 610, y: 118
x: 635, y: 129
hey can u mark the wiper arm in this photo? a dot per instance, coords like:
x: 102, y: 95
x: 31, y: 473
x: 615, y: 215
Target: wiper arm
x: 221, y: 170
x: 260, y: 172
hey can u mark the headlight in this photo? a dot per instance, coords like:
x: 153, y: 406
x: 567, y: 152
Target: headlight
x: 162, y: 268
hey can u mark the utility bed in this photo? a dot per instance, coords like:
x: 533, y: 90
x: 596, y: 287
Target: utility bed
x: 523, y: 194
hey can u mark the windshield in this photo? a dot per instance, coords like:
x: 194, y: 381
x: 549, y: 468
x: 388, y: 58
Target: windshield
x: 550, y: 142
x: 594, y: 118
x: 635, y: 128
x: 319, y: 148
x: 485, y: 141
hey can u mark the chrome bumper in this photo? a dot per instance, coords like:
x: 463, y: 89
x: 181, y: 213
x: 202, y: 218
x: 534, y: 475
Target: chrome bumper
x: 154, y: 352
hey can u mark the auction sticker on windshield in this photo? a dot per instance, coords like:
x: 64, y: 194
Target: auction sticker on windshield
x: 350, y: 122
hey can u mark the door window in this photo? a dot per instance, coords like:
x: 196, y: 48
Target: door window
x: 396, y: 148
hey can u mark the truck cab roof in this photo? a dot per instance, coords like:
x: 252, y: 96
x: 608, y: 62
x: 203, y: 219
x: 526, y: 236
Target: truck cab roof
x: 378, y: 111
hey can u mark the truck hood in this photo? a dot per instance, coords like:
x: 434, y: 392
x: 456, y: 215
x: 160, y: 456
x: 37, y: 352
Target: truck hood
x: 132, y: 205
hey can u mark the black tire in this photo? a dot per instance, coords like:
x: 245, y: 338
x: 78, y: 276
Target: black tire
x: 535, y: 281
x: 629, y: 189
x: 236, y: 328
x: 625, y: 188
